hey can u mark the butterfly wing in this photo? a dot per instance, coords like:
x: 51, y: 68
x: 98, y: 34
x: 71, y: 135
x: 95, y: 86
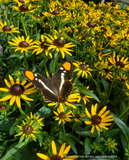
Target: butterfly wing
x: 62, y: 78
x: 35, y: 79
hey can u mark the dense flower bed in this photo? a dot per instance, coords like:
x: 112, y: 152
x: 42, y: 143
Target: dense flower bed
x: 84, y: 106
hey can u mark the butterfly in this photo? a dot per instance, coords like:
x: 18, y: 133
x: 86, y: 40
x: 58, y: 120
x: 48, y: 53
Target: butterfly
x: 57, y: 88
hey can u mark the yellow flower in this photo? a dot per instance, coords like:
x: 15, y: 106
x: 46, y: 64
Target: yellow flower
x: 16, y: 91
x: 71, y: 98
x: 98, y: 120
x: 57, y: 44
x: 20, y: 2
x: 82, y: 68
x: 34, y: 118
x: 119, y: 62
x: 78, y: 117
x: 8, y: 29
x: 24, y: 8
x: 61, y: 115
x: 22, y: 44
x: 84, y: 97
x: 100, y: 65
x: 62, y: 153
x: 28, y: 129
x: 41, y: 46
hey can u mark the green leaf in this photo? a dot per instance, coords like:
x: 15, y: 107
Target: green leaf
x: 6, y: 124
x: 84, y: 90
x: 122, y: 126
x: 87, y: 146
x: 124, y: 141
x: 72, y: 144
x: 13, y: 151
x: 105, y: 85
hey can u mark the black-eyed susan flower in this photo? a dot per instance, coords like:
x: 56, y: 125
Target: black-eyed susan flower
x: 127, y: 85
x: 16, y: 91
x: 62, y: 115
x: 40, y: 47
x: 35, y: 118
x: 22, y: 44
x: 123, y: 78
x: 8, y: 29
x: 105, y: 72
x: 68, y: 102
x: 24, y: 8
x: 84, y: 97
x: 59, y: 45
x: 99, y: 120
x: 55, y: 10
x: 119, y: 62
x: 100, y: 65
x: 82, y: 68
x: 20, y: 2
x: 4, y: 107
x: 28, y: 129
x: 62, y: 153
x: 78, y: 116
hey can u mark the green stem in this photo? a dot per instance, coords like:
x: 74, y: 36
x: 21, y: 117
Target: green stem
x: 21, y: 111
x: 64, y: 129
x: 111, y: 86
x: 25, y: 60
x: 124, y: 110
x: 4, y: 64
x: 75, y: 80
x: 24, y: 26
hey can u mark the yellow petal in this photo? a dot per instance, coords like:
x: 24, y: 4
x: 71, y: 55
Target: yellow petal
x: 43, y: 156
x: 87, y: 113
x: 11, y: 80
x: 4, y: 89
x: 18, y: 102
x: 54, y: 148
x: 92, y: 129
x: 66, y: 151
x: 26, y: 98
x: 62, y: 150
x: 6, y: 98
x: 12, y: 100
x: 7, y: 83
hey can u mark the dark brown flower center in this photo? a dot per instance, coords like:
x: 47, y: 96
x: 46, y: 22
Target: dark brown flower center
x: 62, y: 115
x: 121, y: 64
x: 23, y: 8
x: 43, y: 46
x: 99, y: 65
x: 27, y: 129
x: 96, y: 120
x: 106, y: 70
x: 109, y: 38
x: 82, y: 94
x: 113, y: 4
x: 91, y: 24
x: 37, y: 17
x: 2, y: 107
x: 16, y: 89
x: 56, y: 157
x: 83, y: 66
x: 77, y: 116
x: 59, y: 43
x: 22, y: 1
x: 104, y: 29
x: 103, y: 14
x: 6, y: 28
x: 55, y: 12
x: 23, y: 44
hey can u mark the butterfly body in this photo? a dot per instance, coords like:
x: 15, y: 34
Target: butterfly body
x: 54, y: 89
